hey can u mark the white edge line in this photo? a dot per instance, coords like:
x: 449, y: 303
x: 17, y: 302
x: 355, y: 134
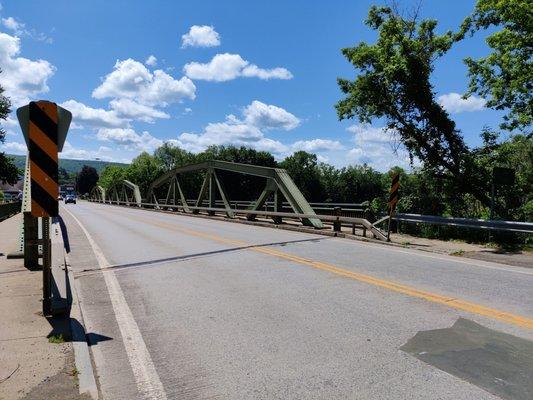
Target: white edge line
x: 82, y: 358
x: 146, y: 377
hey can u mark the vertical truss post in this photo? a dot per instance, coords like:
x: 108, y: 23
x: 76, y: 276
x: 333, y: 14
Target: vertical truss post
x: 270, y: 188
x: 169, y: 191
x: 277, y: 206
x: 223, y: 195
x: 212, y: 193
x: 203, y: 191
x: 184, y: 203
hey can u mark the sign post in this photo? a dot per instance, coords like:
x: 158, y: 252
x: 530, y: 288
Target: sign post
x: 45, y: 126
x: 393, y: 199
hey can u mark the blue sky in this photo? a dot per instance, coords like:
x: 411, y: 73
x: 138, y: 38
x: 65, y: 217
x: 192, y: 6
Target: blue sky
x: 136, y: 74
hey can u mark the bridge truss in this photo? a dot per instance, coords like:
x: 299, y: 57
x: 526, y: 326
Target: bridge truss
x: 278, y: 184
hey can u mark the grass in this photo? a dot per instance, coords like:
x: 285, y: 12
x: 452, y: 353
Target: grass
x: 406, y: 244
x: 56, y: 339
x: 74, y: 372
x: 457, y: 253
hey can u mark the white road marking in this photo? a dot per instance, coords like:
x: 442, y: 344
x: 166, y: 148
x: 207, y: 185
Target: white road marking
x: 148, y: 381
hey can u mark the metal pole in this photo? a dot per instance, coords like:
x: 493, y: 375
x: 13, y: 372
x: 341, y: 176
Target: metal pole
x: 31, y: 234
x: 47, y: 271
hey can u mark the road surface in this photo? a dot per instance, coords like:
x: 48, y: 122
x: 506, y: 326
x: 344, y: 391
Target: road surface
x: 180, y: 307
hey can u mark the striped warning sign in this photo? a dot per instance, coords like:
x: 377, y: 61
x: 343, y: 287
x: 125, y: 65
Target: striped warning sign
x: 393, y: 192
x: 43, y: 158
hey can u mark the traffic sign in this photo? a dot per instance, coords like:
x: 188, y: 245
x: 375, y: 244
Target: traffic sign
x: 44, y: 125
x: 393, y: 192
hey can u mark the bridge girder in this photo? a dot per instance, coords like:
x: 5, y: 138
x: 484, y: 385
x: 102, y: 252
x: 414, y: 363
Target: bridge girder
x: 278, y: 182
x: 98, y: 194
x: 124, y: 191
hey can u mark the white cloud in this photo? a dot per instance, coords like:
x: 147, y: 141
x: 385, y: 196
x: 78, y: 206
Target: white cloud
x: 317, y: 145
x: 376, y: 147
x: 151, y: 61
x: 19, y: 29
x: 225, y: 67
x: 95, y: 117
x: 131, y: 79
x: 253, y: 71
x: 248, y: 132
x: 21, y: 78
x: 128, y: 108
x: 200, y: 36
x: 454, y: 103
x: 12, y: 24
x: 267, y: 116
x: 14, y: 148
x: 129, y: 139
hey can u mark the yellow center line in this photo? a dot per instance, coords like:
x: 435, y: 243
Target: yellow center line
x: 518, y: 320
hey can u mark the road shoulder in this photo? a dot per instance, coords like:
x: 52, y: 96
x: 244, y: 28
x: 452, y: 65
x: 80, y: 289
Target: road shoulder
x: 36, y: 357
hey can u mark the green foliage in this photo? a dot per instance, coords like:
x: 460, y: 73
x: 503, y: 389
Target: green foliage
x: 143, y: 170
x: 393, y: 83
x: 505, y: 76
x: 8, y: 171
x: 170, y: 157
x: 304, y: 171
x: 111, y: 175
x: 86, y: 180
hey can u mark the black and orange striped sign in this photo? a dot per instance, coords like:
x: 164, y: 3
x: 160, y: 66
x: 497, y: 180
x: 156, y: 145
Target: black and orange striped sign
x: 393, y: 192
x: 42, y: 143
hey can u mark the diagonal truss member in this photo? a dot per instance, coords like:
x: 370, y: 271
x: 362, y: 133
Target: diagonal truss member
x: 123, y: 191
x: 278, y: 184
x: 98, y: 194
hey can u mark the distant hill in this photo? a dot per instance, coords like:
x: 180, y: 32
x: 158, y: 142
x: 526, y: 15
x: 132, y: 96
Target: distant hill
x: 71, y: 166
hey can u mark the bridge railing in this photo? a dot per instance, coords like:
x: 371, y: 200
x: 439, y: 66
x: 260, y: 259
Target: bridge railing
x: 336, y: 220
x: 9, y: 209
x: 334, y: 213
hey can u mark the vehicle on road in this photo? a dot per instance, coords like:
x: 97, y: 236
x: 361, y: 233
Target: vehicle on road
x: 59, y: 198
x: 70, y: 199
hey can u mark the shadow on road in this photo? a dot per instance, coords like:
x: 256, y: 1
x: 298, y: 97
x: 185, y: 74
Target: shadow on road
x: 186, y: 257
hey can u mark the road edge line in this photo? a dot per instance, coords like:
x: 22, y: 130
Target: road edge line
x: 148, y: 382
x: 82, y: 357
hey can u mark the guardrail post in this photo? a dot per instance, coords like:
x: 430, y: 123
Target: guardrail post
x: 277, y: 207
x: 337, y: 223
x: 47, y: 271
x: 31, y: 234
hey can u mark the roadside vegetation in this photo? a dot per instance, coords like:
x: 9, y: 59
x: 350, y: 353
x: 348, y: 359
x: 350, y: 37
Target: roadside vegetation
x: 393, y: 84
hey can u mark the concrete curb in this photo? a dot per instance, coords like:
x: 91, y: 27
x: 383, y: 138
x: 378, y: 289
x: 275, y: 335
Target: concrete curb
x: 82, y: 356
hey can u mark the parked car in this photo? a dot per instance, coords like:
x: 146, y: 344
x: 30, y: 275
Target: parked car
x: 70, y: 199
x: 59, y: 198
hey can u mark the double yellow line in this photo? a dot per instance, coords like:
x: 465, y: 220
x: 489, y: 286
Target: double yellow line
x: 521, y: 321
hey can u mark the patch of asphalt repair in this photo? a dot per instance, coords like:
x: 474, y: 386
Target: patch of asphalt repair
x: 497, y: 362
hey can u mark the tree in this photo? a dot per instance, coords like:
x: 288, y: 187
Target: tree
x: 505, y: 76
x: 9, y: 173
x: 170, y: 157
x: 111, y: 175
x: 394, y: 84
x: 304, y: 171
x: 143, y: 170
x: 86, y: 179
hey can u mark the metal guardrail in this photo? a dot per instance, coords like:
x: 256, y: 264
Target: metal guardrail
x: 506, y: 226
x: 9, y: 209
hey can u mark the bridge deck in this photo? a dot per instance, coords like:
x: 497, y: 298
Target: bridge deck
x: 209, y: 308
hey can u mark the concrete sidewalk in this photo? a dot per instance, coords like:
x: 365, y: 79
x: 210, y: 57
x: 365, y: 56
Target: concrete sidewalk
x: 36, y: 359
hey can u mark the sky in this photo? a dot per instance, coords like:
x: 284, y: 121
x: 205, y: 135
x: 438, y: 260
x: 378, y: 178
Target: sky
x: 136, y: 74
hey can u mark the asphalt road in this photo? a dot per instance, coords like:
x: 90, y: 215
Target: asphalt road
x: 180, y: 307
